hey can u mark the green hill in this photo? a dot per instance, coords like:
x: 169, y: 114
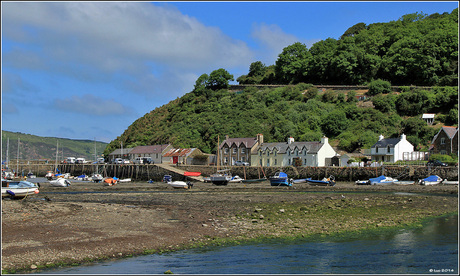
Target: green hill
x: 33, y: 147
x: 417, y: 49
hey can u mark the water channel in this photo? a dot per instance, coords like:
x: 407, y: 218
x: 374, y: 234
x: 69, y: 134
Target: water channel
x: 432, y: 249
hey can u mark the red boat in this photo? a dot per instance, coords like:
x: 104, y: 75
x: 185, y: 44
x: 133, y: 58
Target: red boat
x: 192, y: 173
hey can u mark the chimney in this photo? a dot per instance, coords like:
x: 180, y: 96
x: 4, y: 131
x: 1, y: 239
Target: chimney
x: 324, y: 140
x: 260, y: 139
x: 403, y: 137
x: 226, y: 137
x: 381, y: 137
x: 290, y: 140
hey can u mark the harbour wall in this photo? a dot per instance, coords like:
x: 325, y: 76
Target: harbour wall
x: 146, y: 172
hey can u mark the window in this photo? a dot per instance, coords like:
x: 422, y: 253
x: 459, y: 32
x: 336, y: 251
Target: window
x: 225, y: 150
x: 243, y: 150
x: 235, y: 150
x: 268, y: 162
x: 225, y: 160
x: 276, y: 161
x: 388, y: 149
x: 376, y: 149
x: 268, y: 153
x: 443, y: 141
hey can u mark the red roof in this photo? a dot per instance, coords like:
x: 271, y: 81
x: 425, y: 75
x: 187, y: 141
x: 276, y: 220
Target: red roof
x: 179, y: 152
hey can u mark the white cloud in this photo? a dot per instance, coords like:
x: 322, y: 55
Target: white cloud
x: 91, y: 105
x: 120, y: 36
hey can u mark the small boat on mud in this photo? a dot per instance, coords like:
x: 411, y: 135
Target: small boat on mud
x: 175, y: 184
x: 18, y: 189
x: 449, y: 182
x: 192, y: 173
x: 404, y: 182
x: 49, y: 175
x: 382, y: 180
x: 221, y: 177
x: 280, y: 179
x: 431, y: 180
x: 110, y: 181
x: 330, y: 181
x: 301, y: 180
x: 236, y: 179
x: 60, y: 182
x: 96, y: 178
x: 362, y: 182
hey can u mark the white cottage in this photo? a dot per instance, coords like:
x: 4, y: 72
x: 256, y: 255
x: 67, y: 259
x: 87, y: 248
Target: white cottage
x: 293, y: 153
x: 390, y: 149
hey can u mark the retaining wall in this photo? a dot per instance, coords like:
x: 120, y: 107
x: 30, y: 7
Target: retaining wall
x: 146, y: 172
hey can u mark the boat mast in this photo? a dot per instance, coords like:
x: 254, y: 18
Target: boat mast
x: 7, y: 150
x: 217, y: 153
x: 17, y: 161
x: 57, y: 152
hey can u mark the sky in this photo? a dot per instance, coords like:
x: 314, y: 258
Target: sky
x: 88, y: 70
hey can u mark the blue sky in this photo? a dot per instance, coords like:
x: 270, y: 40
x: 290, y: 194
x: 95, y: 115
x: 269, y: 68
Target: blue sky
x: 88, y: 70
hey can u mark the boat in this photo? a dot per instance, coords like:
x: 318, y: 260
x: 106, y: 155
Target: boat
x: 31, y: 175
x: 96, y: 178
x: 300, y: 180
x: 236, y: 179
x: 110, y: 181
x: 362, y: 182
x: 60, y: 182
x: 18, y: 189
x: 82, y: 177
x: 330, y: 181
x: 431, y: 180
x: 402, y: 182
x: 382, y: 180
x: 7, y: 174
x: 254, y: 180
x: 221, y: 177
x: 192, y: 173
x: 125, y: 180
x: 206, y: 179
x: 175, y: 184
x: 49, y: 175
x: 450, y: 182
x: 280, y: 179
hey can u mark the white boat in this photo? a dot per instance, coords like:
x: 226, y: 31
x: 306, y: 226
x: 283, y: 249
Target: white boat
x: 362, y: 182
x: 60, y: 182
x: 31, y: 175
x: 431, y: 180
x: 450, y: 182
x: 82, y: 177
x: 49, y: 175
x: 96, y: 178
x: 382, y: 180
x: 18, y: 189
x: 236, y: 179
x: 221, y: 177
x: 402, y: 182
x: 125, y: 180
x: 175, y: 184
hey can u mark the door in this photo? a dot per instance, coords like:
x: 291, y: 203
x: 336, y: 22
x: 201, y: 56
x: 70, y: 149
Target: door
x: 175, y: 159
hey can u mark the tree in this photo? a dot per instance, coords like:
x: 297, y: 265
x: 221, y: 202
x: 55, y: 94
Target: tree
x: 379, y: 87
x: 355, y: 29
x: 291, y: 65
x: 219, y: 79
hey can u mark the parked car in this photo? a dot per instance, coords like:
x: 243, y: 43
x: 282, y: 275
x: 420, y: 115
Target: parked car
x: 118, y: 161
x: 147, y: 160
x: 241, y: 163
x: 80, y: 161
x: 100, y: 161
x: 435, y: 163
x: 138, y: 160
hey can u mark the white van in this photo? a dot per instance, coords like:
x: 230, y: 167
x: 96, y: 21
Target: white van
x: 80, y: 161
x: 70, y: 160
x: 138, y: 160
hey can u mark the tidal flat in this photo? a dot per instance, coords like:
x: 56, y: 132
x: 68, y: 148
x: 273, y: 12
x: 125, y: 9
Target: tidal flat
x: 87, y: 222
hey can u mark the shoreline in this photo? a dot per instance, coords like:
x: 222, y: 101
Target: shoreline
x: 95, y: 222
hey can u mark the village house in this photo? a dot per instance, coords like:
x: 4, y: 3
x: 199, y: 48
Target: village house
x: 120, y: 153
x: 445, y: 141
x: 188, y: 156
x: 238, y: 149
x: 291, y: 153
x: 391, y: 149
x: 155, y: 152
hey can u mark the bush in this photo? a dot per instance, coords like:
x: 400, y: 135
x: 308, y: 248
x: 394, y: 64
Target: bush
x: 379, y: 87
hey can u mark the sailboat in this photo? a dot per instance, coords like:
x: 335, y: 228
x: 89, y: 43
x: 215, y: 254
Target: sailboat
x: 221, y: 177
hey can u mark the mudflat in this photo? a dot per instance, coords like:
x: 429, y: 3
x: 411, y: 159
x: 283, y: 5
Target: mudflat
x: 89, y: 221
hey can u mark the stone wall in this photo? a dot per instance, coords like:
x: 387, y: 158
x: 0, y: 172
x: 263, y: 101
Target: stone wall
x: 146, y: 172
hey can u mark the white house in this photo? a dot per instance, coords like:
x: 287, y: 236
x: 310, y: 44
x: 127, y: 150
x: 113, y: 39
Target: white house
x: 391, y: 149
x: 286, y: 153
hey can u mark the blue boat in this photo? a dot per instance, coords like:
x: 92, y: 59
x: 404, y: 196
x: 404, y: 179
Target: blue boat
x: 382, y: 180
x: 330, y: 181
x: 280, y: 179
x: 431, y: 180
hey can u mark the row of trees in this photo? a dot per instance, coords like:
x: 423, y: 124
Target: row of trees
x: 417, y: 49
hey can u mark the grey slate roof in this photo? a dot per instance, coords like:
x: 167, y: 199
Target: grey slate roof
x: 247, y: 142
x: 386, y: 142
x: 312, y: 147
x: 148, y: 149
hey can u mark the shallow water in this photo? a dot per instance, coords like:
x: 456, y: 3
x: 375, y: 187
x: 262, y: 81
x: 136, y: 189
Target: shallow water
x: 431, y: 249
